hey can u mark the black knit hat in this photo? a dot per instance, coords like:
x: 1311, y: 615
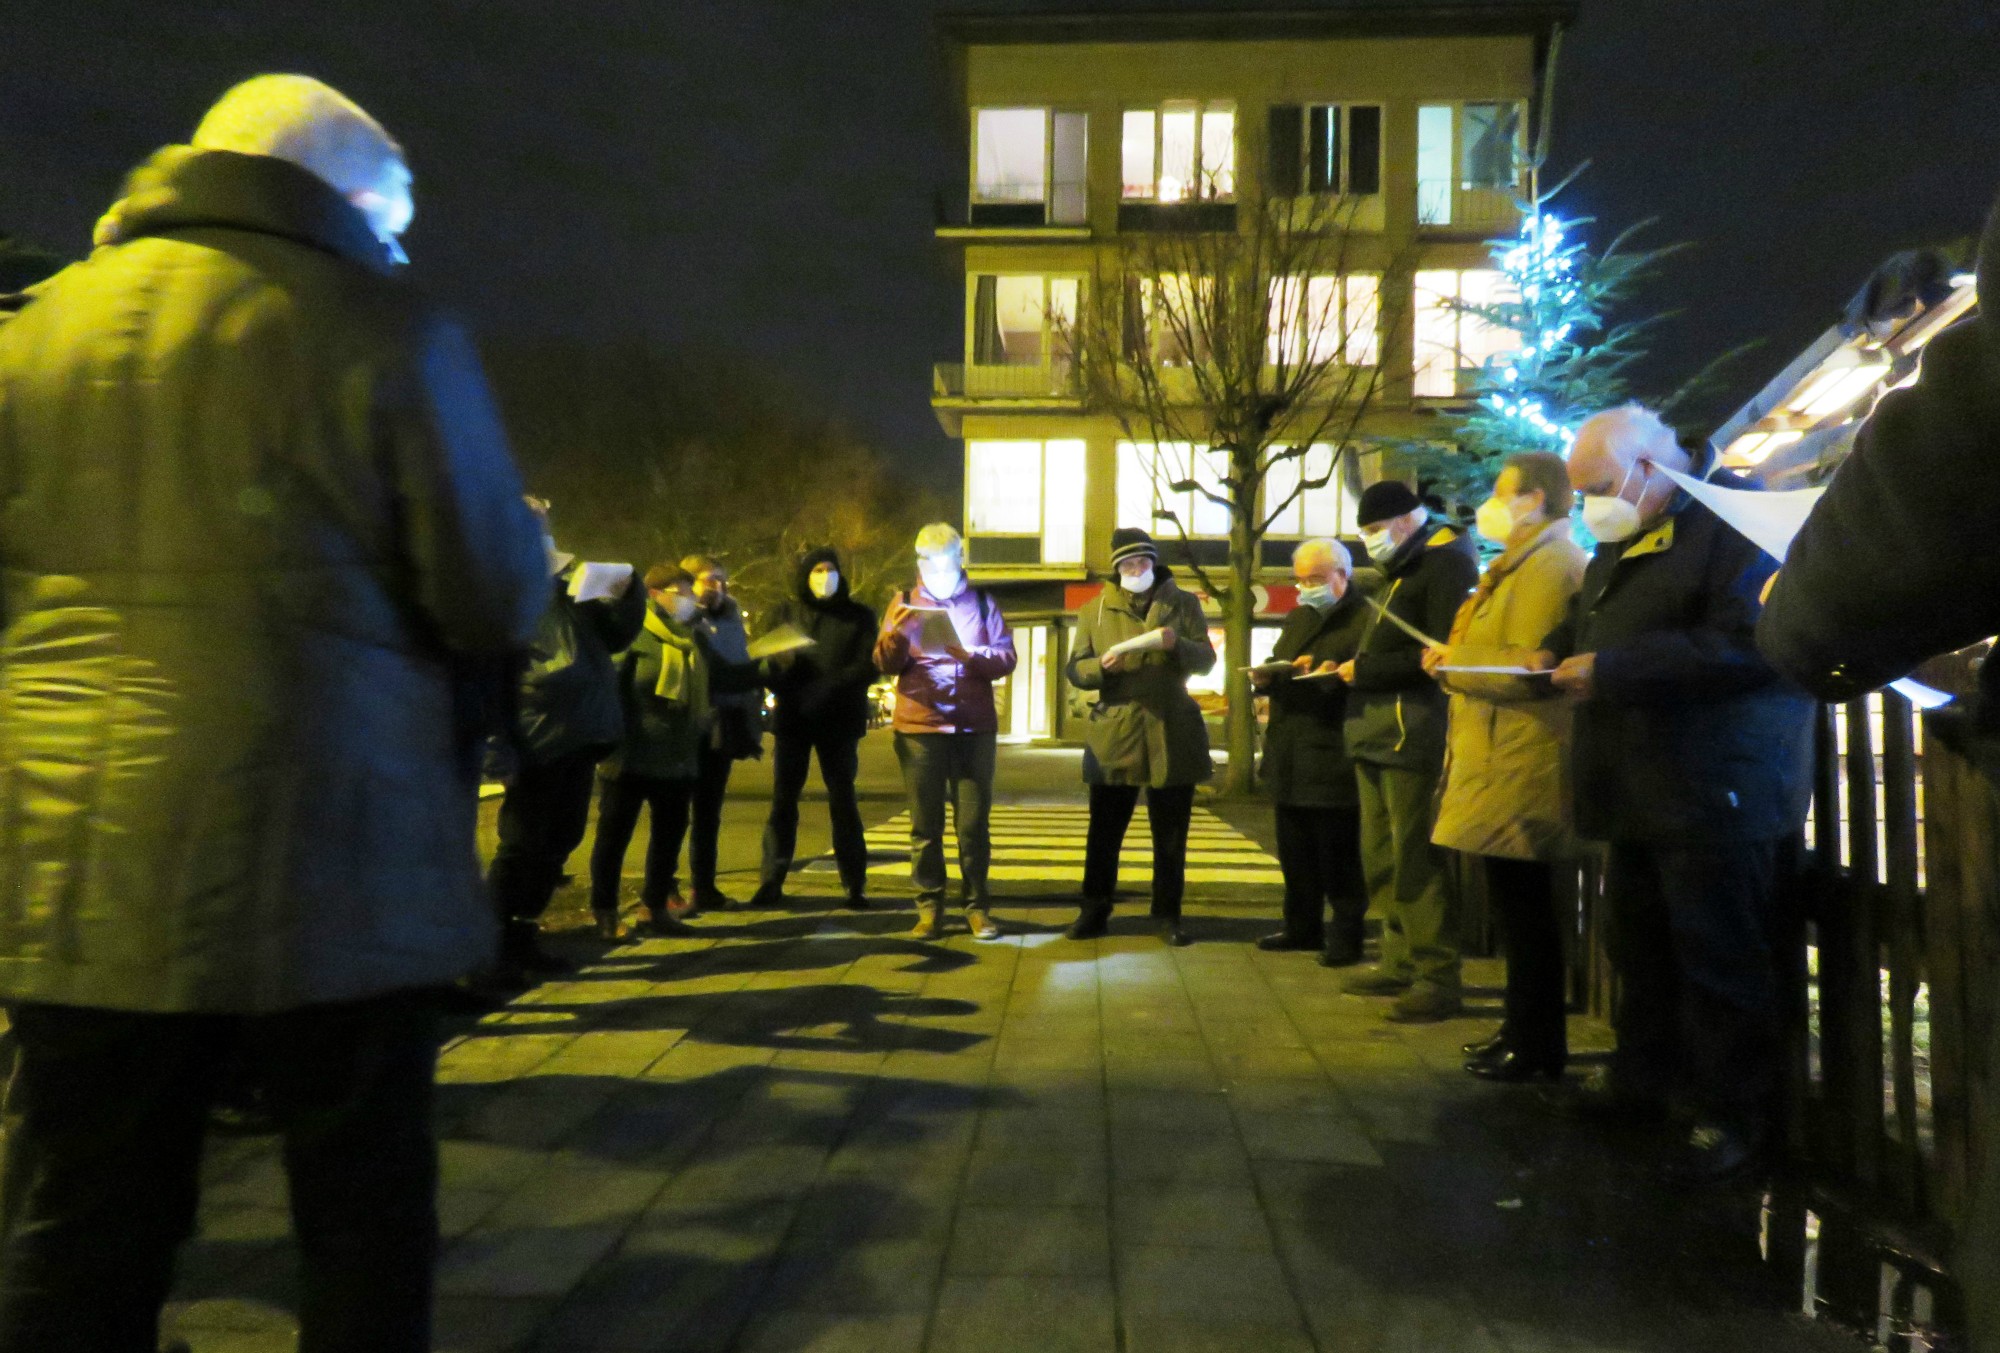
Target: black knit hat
x: 1128, y: 542
x: 1389, y: 498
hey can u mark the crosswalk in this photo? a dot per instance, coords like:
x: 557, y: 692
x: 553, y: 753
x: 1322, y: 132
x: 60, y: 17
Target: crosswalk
x: 1044, y: 844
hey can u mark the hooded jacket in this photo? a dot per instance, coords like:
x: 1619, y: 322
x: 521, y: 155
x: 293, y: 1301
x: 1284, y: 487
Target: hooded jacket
x: 823, y: 691
x: 939, y: 693
x: 257, y: 520
x: 1395, y: 712
x: 1145, y: 729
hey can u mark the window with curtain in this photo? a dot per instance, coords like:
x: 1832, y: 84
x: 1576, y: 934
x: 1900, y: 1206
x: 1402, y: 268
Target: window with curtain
x: 1020, y: 320
x: 1465, y: 148
x: 1030, y: 157
x: 1323, y: 318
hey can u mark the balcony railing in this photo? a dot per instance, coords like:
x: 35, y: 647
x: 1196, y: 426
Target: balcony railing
x: 956, y: 380
x: 1471, y: 211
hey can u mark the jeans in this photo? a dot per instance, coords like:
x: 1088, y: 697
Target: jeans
x: 1689, y: 935
x: 711, y: 786
x: 1407, y: 885
x: 618, y: 806
x: 1522, y: 894
x: 543, y: 818
x: 1319, y: 851
x: 839, y: 763
x: 1168, y: 811
x: 957, y: 767
x: 98, y: 1184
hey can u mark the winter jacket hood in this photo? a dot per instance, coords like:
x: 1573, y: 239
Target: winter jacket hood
x: 823, y: 690
x: 802, y: 577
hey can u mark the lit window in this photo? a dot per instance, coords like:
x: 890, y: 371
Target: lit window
x: 1028, y: 488
x: 1029, y: 157
x: 1320, y: 319
x: 1180, y: 152
x: 1020, y: 320
x: 1434, y: 164
x: 1448, y: 338
x: 1487, y: 146
x: 1175, y: 314
x: 1469, y: 148
x: 1146, y: 498
x: 1325, y: 507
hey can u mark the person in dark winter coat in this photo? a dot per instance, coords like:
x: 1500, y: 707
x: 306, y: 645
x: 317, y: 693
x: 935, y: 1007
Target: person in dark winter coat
x: 260, y: 532
x: 1306, y: 769
x: 1146, y: 732
x: 736, y: 732
x: 822, y: 710
x: 1396, y: 734
x: 1692, y: 759
x: 569, y: 719
x: 1861, y: 603
x: 947, y: 728
x: 663, y: 688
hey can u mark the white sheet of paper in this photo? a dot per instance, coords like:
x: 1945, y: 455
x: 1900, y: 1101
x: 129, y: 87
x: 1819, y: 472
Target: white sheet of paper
x: 938, y: 634
x: 783, y: 639
x: 1152, y: 641
x: 1402, y: 624
x: 595, y: 582
x: 1494, y: 671
x: 1318, y: 676
x: 1770, y: 520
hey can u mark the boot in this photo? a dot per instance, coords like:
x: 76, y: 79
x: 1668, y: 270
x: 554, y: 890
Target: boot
x: 930, y: 917
x: 1091, y: 922
x: 981, y: 924
x: 608, y: 927
x: 521, y: 945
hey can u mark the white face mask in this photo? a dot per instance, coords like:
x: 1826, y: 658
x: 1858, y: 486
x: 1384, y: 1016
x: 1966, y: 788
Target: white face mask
x: 1142, y: 582
x: 1381, y: 545
x: 682, y: 607
x: 824, y: 582
x: 941, y: 577
x: 1608, y: 516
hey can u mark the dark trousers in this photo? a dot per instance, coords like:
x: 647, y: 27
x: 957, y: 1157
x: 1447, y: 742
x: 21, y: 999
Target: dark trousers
x: 955, y: 768
x: 618, y: 805
x: 839, y: 764
x: 104, y: 1119
x: 543, y: 817
x: 1168, y: 811
x: 1522, y: 895
x: 1689, y: 933
x: 711, y: 786
x: 1319, y: 851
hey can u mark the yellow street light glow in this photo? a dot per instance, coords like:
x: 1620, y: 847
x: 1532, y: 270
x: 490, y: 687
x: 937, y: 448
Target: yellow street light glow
x: 1837, y: 387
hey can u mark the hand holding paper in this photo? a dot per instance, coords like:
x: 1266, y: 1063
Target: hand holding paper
x: 1152, y: 641
x: 597, y: 582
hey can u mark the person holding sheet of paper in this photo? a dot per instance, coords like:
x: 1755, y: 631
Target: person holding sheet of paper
x: 1505, y: 801
x: 1306, y: 769
x: 1692, y: 760
x: 1136, y: 645
x: 1395, y: 733
x: 946, y: 643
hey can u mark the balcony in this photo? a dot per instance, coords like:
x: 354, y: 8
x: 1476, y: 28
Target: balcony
x: 1446, y: 209
x: 1060, y: 215
x: 957, y: 388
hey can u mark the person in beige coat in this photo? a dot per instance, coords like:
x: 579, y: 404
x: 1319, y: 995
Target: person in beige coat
x: 1505, y: 793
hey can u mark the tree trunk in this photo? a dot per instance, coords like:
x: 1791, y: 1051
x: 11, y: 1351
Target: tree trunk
x: 1239, y: 610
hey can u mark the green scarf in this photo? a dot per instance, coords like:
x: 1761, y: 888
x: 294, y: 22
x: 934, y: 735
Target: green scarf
x: 683, y: 670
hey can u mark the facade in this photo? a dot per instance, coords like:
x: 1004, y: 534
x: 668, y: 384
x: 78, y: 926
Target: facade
x: 1079, y: 129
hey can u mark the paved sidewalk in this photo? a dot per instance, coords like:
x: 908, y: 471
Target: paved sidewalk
x: 807, y: 1131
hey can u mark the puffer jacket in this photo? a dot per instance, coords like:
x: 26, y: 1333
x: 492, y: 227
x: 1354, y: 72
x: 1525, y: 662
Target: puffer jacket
x: 1305, y: 753
x: 823, y: 690
x: 258, y: 522
x: 936, y: 692
x: 1145, y: 729
x: 1506, y: 772
x: 1395, y: 713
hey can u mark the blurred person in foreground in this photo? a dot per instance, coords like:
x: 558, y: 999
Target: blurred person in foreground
x: 1395, y: 734
x: 1927, y: 458
x: 1146, y: 732
x: 663, y: 688
x: 946, y: 643
x: 735, y: 732
x: 1692, y: 760
x: 1505, y: 798
x: 1306, y: 769
x: 822, y: 699
x: 263, y: 545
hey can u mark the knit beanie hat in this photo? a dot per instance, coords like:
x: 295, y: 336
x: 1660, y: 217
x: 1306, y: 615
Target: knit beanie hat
x: 1128, y: 542
x: 1381, y: 501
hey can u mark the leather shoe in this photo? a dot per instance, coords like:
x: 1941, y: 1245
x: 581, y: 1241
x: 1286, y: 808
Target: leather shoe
x: 1425, y: 1003
x: 664, y: 922
x: 1492, y: 1045
x: 1511, y: 1066
x: 1283, y: 942
x: 1375, y: 982
x: 856, y: 901
x: 1341, y: 952
x: 1600, y: 1099
x: 1091, y: 923
x: 1713, y: 1153
x: 1173, y: 935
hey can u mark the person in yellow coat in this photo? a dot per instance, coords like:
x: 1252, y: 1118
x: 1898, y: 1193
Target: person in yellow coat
x: 1505, y: 795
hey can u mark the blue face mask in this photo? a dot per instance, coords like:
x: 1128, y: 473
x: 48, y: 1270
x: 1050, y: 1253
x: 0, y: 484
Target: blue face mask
x: 1320, y: 597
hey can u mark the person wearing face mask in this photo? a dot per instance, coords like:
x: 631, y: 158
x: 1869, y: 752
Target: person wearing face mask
x: 1306, y: 768
x: 664, y: 691
x: 946, y: 643
x: 736, y: 733
x: 1505, y: 799
x: 822, y: 697
x: 1692, y: 759
x: 1395, y: 733
x: 1146, y: 732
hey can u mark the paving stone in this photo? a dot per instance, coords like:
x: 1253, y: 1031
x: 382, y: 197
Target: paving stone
x: 1146, y: 1215
x: 1146, y: 1332
x: 1055, y: 1178
x: 1307, y: 1136
x: 1071, y: 1242
x: 537, y: 1262
x: 1178, y: 1159
x: 867, y: 1275
x: 1236, y: 1286
x: 833, y: 1332
x: 487, y: 1324
x: 1009, y: 1314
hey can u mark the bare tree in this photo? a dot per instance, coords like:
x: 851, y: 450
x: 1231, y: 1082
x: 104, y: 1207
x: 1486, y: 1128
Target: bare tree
x: 1226, y: 353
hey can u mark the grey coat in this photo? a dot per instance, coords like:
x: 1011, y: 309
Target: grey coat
x: 1145, y: 729
x: 259, y: 525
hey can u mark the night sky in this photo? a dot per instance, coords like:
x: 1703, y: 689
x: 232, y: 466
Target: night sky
x: 758, y: 175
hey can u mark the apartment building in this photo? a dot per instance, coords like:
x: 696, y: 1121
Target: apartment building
x: 1081, y: 129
